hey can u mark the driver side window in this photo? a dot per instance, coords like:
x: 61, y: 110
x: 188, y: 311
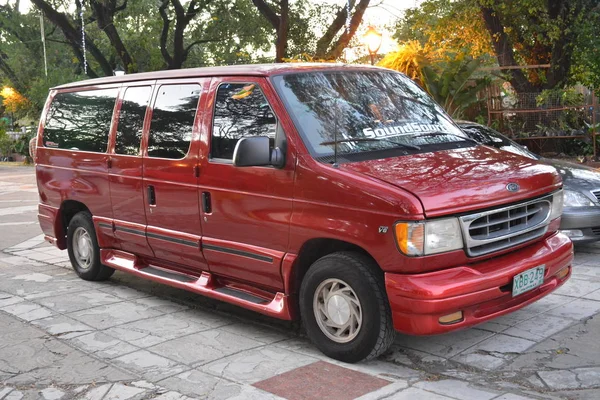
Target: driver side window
x: 241, y: 109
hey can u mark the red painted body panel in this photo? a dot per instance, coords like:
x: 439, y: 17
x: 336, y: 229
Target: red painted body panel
x: 461, y: 180
x: 418, y: 301
x: 261, y: 217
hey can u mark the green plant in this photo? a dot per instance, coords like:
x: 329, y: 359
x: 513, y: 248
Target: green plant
x: 454, y: 83
x: 568, y: 97
x: 410, y: 59
x: 6, y: 145
x: 21, y: 146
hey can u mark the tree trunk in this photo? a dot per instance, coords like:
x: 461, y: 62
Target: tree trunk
x: 503, y: 47
x: 338, y: 23
x: 183, y: 18
x: 327, y: 51
x: 73, y: 36
x: 282, y: 32
x: 105, y: 12
x: 279, y: 23
x: 10, y: 74
x: 339, y: 46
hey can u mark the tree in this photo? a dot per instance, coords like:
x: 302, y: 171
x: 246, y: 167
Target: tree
x: 72, y: 33
x: 331, y: 45
x: 530, y: 32
x: 280, y: 23
x: 183, y: 16
x: 104, y: 14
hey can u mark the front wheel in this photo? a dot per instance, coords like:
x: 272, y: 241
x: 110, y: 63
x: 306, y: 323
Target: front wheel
x: 345, y: 309
x: 83, y: 249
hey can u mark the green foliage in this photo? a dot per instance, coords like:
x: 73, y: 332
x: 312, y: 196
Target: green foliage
x: 454, y: 83
x: 446, y: 25
x: 563, y: 33
x: 21, y: 145
x: 452, y: 79
x: 6, y: 145
x: 410, y: 59
x: 560, y: 97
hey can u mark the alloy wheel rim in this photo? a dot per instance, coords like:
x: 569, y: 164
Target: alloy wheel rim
x: 337, y: 310
x: 83, y: 249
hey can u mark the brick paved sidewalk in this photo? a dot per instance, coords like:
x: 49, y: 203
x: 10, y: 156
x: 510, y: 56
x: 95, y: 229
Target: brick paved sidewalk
x: 63, y: 338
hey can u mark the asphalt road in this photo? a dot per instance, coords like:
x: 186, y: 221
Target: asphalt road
x: 18, y: 205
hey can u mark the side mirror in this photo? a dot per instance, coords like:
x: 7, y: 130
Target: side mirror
x: 256, y: 151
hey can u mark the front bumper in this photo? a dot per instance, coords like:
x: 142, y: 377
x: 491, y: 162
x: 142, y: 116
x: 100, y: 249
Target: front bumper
x: 584, y: 219
x: 482, y: 291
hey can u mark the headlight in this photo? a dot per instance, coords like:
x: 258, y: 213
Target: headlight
x: 557, y: 205
x: 576, y: 199
x: 431, y: 237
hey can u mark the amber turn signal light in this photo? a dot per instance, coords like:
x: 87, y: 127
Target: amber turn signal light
x: 563, y: 272
x: 451, y: 318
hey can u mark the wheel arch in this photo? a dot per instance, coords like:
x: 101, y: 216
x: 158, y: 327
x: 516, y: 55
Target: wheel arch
x: 67, y: 211
x: 311, y: 251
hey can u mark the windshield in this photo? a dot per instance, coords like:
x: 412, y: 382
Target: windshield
x: 383, y: 110
x: 490, y: 137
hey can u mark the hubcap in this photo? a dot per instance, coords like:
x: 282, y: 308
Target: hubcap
x: 337, y: 310
x: 83, y: 249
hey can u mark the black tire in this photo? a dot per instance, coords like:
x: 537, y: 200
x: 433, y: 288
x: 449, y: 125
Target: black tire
x: 95, y: 270
x: 362, y: 274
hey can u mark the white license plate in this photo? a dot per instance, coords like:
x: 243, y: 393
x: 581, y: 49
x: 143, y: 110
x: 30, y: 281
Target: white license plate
x: 528, y: 280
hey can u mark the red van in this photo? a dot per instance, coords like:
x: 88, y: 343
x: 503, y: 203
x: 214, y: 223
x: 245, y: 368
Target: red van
x: 340, y: 194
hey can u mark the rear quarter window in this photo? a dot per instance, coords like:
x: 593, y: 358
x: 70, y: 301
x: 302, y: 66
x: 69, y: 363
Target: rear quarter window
x: 80, y: 120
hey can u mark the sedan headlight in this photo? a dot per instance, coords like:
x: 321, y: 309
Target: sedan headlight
x: 557, y: 205
x: 577, y: 199
x: 430, y: 237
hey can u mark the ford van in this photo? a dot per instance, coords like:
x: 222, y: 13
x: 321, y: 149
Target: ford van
x: 338, y: 194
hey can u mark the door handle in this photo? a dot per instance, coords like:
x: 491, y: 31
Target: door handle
x: 206, y: 205
x: 151, y: 195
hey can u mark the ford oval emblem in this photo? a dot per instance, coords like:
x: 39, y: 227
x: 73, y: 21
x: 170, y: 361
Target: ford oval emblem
x: 512, y: 187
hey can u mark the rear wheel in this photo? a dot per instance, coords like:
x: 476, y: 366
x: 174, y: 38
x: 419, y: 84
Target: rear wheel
x: 345, y: 309
x: 83, y: 249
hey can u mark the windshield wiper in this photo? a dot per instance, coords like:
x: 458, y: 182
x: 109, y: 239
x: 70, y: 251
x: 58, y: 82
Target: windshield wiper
x: 446, y: 134
x: 408, y: 146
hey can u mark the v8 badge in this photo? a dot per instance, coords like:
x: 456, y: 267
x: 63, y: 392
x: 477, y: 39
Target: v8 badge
x: 383, y: 229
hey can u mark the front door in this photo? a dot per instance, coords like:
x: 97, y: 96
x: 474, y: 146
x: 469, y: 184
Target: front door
x: 245, y: 211
x: 171, y: 172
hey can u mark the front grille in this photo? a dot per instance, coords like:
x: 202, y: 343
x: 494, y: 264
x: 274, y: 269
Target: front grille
x: 596, y: 230
x: 596, y: 194
x: 505, y: 227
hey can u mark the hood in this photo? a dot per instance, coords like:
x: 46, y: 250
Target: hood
x: 461, y: 180
x: 576, y: 176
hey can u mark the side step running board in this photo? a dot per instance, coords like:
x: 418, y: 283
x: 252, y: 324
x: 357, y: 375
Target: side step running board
x: 205, y: 285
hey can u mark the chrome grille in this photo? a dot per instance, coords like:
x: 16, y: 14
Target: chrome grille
x: 505, y: 227
x: 596, y: 194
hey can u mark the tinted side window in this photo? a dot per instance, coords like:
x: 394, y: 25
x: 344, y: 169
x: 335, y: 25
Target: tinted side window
x: 80, y: 120
x: 173, y: 121
x: 241, y: 109
x: 131, y: 120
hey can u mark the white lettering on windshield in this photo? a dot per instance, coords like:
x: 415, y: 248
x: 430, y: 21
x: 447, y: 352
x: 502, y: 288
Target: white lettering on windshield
x: 403, y: 130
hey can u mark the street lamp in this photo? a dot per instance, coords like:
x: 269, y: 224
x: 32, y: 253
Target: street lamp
x: 372, y: 40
